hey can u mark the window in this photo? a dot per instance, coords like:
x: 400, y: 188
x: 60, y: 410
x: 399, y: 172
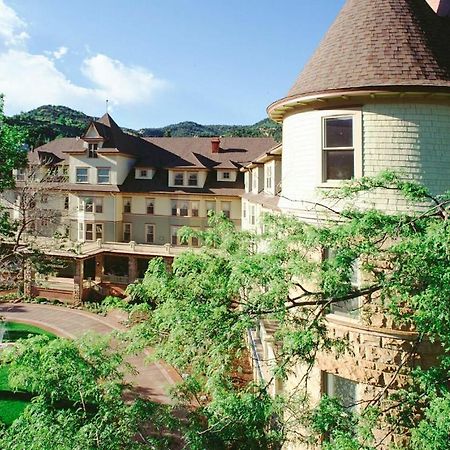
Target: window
x: 338, y: 150
x: 210, y: 208
x: 92, y: 150
x: 127, y: 232
x: 150, y: 205
x: 66, y: 202
x: 81, y: 175
x: 127, y: 204
x: 341, y: 388
x: 244, y: 210
x: 194, y: 241
x: 194, y: 209
x: 99, y: 231
x: 44, y: 198
x: 20, y: 175
x: 98, y: 201
x: 103, y: 175
x: 174, y: 239
x: 351, y: 307
x: 149, y: 233
x: 178, y: 179
x: 268, y: 177
x: 174, y: 235
x: 226, y: 209
x: 88, y: 204
x: 143, y: 173
x: 92, y: 204
x: 181, y: 208
x: 226, y: 175
x: 89, y: 236
x: 193, y: 179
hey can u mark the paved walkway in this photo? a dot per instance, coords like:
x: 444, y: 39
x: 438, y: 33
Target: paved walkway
x: 152, y: 380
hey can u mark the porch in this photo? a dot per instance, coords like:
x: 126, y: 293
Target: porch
x: 98, y: 269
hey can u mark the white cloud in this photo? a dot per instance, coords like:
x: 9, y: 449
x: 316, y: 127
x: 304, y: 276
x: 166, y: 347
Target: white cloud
x: 12, y: 27
x: 58, y: 54
x: 30, y: 80
x: 120, y: 83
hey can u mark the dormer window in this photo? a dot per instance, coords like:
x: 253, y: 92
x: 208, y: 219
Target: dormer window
x: 178, y: 179
x: 92, y: 150
x: 226, y: 175
x: 143, y: 173
x: 193, y: 179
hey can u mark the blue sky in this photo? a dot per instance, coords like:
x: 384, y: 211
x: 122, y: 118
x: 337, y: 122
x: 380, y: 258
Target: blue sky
x: 158, y: 61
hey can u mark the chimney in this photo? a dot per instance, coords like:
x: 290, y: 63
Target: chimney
x: 440, y: 7
x: 215, y: 145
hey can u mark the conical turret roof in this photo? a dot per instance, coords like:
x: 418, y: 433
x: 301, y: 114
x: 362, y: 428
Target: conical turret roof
x: 380, y: 44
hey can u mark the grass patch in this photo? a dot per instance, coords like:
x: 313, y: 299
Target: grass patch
x: 16, y: 330
x: 12, y: 404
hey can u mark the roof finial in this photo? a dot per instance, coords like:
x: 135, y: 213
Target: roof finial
x: 107, y: 106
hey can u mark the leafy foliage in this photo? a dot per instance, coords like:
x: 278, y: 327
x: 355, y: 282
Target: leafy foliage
x: 79, y: 397
x: 204, y: 307
x: 12, y: 151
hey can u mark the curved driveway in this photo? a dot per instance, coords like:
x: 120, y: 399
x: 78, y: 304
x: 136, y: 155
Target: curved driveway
x: 152, y: 380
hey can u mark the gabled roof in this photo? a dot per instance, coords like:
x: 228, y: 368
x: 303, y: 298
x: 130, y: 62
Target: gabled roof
x: 386, y: 44
x: 54, y: 151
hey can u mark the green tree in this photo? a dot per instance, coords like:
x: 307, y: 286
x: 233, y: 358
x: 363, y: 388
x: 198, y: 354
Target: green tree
x: 205, y: 305
x: 79, y: 398
x: 12, y: 150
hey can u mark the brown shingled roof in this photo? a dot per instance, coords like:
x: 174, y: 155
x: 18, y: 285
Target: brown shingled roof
x: 54, y: 151
x: 380, y: 44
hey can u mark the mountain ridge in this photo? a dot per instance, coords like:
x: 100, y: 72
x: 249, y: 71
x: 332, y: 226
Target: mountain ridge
x: 48, y: 122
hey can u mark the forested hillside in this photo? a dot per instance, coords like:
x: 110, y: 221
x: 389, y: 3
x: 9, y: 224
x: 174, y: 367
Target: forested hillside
x: 48, y: 122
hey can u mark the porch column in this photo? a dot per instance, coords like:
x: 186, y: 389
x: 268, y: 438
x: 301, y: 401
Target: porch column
x: 78, y: 281
x: 99, y: 268
x: 132, y: 268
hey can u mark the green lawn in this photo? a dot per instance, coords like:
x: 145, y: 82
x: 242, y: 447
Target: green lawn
x: 13, y: 404
x: 15, y: 331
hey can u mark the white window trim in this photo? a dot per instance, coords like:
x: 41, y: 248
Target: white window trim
x: 357, y: 145
x: 87, y: 175
x: 109, y: 175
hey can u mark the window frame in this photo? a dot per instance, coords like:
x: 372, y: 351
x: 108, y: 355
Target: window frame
x: 191, y: 180
x: 329, y: 388
x: 92, y: 150
x: 153, y: 233
x: 150, y: 204
x: 178, y: 174
x: 98, y: 175
x: 127, y: 204
x: 356, y: 114
x: 226, y: 212
x: 129, y: 233
x: 77, y: 169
